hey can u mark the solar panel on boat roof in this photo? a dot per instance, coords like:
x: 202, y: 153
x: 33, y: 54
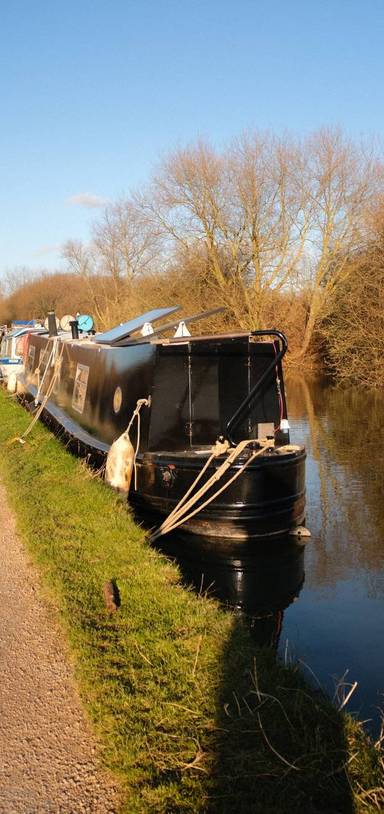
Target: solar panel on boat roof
x: 127, y: 328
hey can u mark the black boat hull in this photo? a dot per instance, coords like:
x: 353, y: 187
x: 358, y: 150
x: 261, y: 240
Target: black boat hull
x: 268, y: 498
x: 195, y: 391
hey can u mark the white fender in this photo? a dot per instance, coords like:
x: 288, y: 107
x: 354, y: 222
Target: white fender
x: 119, y: 466
x: 12, y: 383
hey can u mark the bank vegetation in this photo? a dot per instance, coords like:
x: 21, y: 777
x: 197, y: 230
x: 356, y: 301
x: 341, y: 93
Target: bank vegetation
x: 282, y: 231
x: 191, y: 715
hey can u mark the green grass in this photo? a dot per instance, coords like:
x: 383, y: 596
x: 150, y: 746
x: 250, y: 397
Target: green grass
x: 192, y: 717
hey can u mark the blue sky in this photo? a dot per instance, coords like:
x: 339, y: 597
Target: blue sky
x: 94, y: 92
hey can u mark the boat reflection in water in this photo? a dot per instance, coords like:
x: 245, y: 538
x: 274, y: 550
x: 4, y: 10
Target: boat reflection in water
x: 259, y: 581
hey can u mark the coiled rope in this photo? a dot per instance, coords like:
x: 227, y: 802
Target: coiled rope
x: 181, y: 513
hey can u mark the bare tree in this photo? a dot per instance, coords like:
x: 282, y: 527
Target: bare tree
x: 271, y: 218
x: 80, y: 262
x: 267, y: 215
x: 14, y: 278
x: 354, y: 326
x: 122, y: 248
x: 342, y: 180
x: 187, y: 203
x: 259, y: 226
x: 45, y: 291
x: 245, y: 209
x: 123, y: 242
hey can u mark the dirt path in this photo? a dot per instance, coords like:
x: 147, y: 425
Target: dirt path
x: 48, y: 762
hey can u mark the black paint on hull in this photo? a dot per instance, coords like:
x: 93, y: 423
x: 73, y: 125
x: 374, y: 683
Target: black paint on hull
x: 268, y: 498
x: 195, y: 386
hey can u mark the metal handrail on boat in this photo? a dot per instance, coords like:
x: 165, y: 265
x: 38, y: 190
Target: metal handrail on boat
x: 239, y: 414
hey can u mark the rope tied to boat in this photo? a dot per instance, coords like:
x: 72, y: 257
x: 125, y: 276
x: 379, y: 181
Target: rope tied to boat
x: 40, y: 383
x: 136, y: 413
x: 47, y: 395
x: 181, y: 513
x: 121, y: 458
x: 50, y: 361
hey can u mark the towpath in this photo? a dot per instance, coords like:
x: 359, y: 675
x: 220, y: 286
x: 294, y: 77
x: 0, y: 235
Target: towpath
x: 48, y: 757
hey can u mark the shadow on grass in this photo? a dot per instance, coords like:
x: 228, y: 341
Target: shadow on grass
x: 280, y: 748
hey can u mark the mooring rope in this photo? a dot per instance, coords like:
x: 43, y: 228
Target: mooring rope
x: 219, y: 448
x: 136, y: 413
x: 40, y: 383
x: 180, y: 513
x: 121, y: 457
x: 21, y: 438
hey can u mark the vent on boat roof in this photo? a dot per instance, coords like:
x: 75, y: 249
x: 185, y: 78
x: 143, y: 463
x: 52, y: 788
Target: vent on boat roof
x: 127, y: 328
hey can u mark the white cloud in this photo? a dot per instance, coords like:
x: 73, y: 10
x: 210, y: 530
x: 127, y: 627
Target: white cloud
x: 86, y: 199
x: 41, y: 251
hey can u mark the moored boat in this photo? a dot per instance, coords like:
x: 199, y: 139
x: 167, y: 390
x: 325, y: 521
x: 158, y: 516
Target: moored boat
x: 13, y: 348
x: 207, y: 416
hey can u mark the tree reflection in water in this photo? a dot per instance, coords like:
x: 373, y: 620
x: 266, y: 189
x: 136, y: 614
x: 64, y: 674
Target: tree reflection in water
x: 338, y: 625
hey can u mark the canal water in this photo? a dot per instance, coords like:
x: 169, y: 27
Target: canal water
x: 320, y: 603
x: 338, y: 622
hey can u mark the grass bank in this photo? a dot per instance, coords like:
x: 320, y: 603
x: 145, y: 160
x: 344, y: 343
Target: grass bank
x: 192, y: 717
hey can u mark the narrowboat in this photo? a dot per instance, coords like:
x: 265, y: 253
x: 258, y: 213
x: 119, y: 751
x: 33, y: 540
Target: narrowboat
x: 204, y: 417
x: 12, y: 350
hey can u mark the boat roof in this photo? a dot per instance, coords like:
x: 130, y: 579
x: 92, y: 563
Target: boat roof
x: 26, y: 329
